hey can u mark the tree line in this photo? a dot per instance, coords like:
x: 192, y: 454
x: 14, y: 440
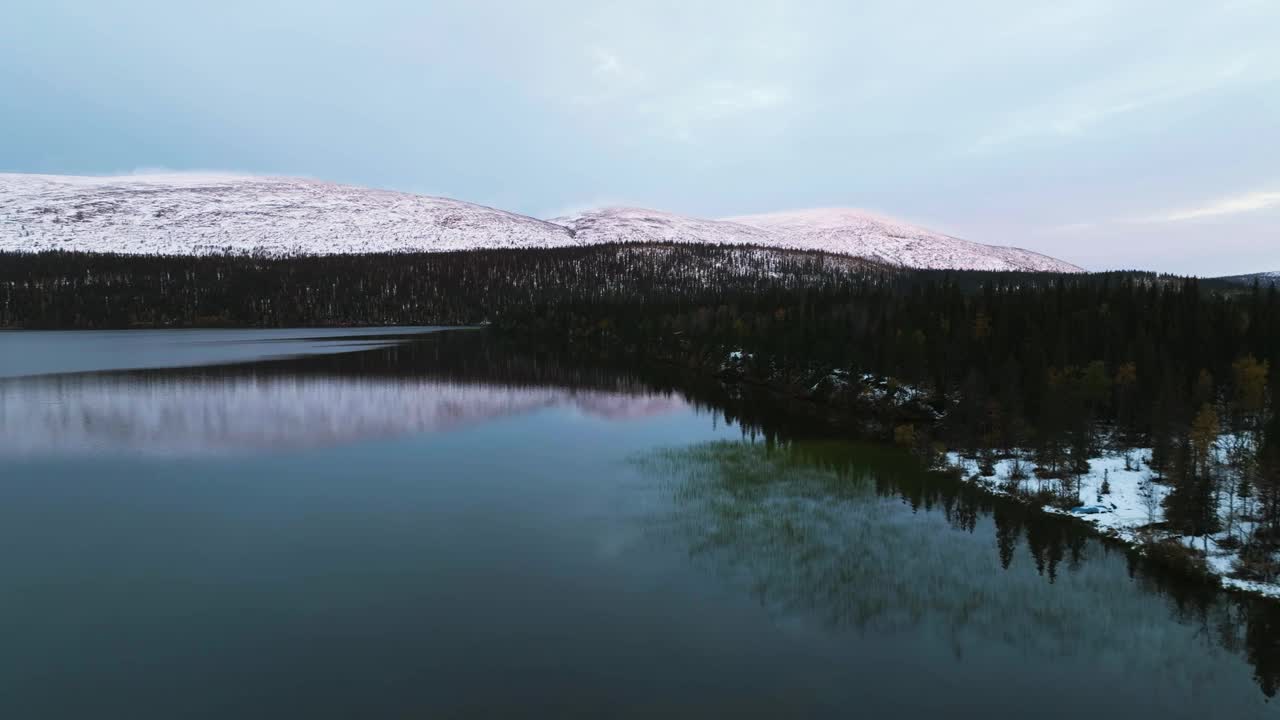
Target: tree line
x: 84, y: 290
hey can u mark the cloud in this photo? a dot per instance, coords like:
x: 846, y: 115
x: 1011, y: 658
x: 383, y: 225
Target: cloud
x: 1080, y: 109
x: 668, y: 100
x: 609, y: 79
x: 684, y: 116
x: 1071, y: 228
x: 607, y: 64
x: 734, y: 99
x: 1234, y: 205
x: 1222, y: 207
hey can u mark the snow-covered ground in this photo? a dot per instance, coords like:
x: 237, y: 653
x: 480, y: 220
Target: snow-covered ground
x: 209, y: 213
x: 1134, y: 501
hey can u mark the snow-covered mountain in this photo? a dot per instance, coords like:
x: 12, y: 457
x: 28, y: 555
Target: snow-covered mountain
x: 858, y: 232
x: 1265, y: 278
x: 184, y: 214
x: 181, y: 214
x: 834, y: 230
x: 627, y: 224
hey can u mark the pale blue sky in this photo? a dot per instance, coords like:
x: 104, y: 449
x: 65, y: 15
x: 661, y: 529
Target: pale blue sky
x: 1110, y: 133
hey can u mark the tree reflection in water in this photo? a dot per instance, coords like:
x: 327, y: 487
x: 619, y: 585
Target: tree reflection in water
x: 858, y: 536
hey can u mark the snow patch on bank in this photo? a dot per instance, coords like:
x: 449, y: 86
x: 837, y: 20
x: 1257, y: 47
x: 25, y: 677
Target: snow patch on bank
x: 1131, y: 511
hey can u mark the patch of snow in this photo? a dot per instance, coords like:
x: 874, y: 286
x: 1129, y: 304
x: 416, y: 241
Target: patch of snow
x: 1134, y: 502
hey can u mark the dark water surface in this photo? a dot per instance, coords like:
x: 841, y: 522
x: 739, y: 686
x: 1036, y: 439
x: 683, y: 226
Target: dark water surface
x: 451, y: 527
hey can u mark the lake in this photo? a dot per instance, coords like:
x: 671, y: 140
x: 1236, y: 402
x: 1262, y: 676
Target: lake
x: 426, y: 523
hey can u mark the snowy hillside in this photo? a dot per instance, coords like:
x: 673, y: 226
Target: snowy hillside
x: 1262, y: 277
x: 857, y: 232
x: 1265, y: 278
x: 838, y: 231
x: 185, y: 214
x: 181, y: 214
x: 625, y: 224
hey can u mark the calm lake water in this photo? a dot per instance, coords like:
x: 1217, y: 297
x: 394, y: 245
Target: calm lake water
x: 400, y: 523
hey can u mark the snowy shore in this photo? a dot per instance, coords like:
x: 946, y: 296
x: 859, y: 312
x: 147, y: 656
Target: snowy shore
x: 1131, y: 511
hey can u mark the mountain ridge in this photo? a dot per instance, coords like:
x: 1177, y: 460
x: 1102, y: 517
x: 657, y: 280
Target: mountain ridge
x: 1271, y: 277
x: 188, y: 213
x: 849, y: 230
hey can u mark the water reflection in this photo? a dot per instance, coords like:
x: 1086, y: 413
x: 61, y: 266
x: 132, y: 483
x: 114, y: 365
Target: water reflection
x: 167, y: 414
x: 855, y: 538
x: 49, y: 352
x: 370, y: 386
x: 861, y: 538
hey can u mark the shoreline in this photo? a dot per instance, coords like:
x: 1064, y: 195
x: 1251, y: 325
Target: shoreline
x: 1130, y: 514
x: 1124, y: 515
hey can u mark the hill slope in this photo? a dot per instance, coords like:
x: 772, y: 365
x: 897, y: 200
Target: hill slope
x: 184, y: 214
x: 857, y: 232
x: 627, y: 224
x: 837, y: 231
x: 1264, y: 278
x: 202, y: 214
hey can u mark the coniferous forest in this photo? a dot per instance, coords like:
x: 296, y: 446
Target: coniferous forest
x: 1003, y: 369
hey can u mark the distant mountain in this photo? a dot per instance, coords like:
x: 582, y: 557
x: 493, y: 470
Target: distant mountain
x: 838, y: 231
x: 857, y: 232
x: 184, y: 214
x: 1266, y: 278
x: 202, y: 214
x: 626, y: 224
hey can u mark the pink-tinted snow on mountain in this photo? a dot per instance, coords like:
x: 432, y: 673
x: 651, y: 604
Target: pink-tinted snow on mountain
x: 628, y: 224
x: 858, y: 232
x: 204, y: 214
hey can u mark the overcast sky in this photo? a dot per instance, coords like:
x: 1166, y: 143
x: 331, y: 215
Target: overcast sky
x: 1111, y: 133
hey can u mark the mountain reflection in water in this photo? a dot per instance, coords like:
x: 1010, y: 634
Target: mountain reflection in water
x: 430, y: 384
x: 165, y: 414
